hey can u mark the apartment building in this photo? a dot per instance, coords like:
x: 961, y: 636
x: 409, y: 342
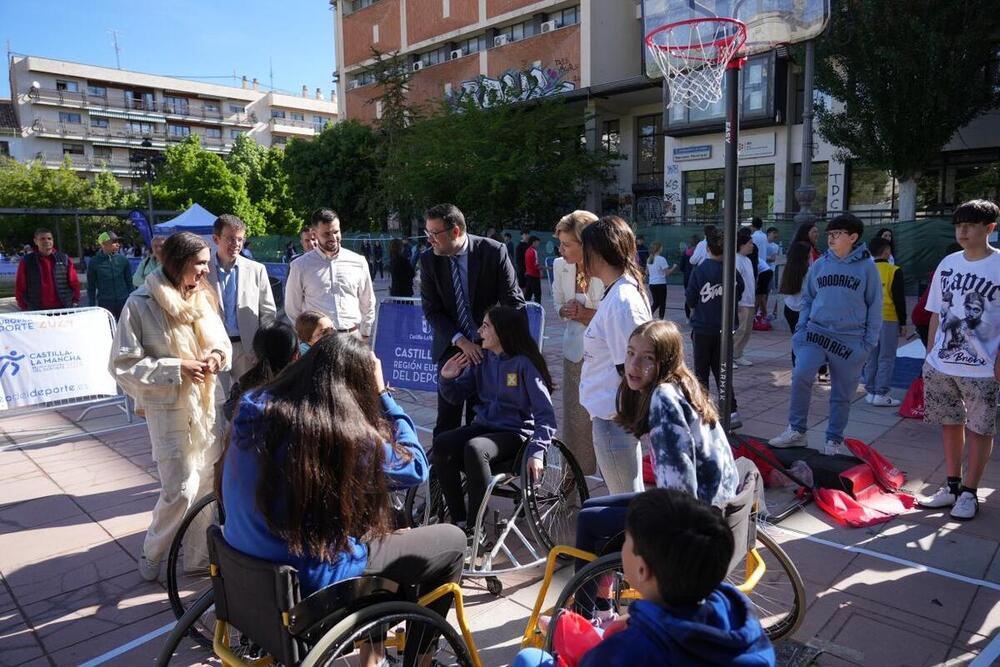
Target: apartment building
x: 104, y: 118
x: 673, y: 166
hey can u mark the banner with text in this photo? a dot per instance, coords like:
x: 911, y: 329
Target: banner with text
x: 403, y: 343
x: 46, y: 358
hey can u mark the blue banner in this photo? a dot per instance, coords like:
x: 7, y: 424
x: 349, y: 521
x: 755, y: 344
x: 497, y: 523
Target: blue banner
x: 403, y: 344
x: 139, y: 221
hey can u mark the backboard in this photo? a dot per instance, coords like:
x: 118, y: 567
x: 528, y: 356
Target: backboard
x: 769, y: 23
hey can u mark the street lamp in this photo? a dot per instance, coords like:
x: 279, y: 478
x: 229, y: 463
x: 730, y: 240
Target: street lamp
x: 147, y: 161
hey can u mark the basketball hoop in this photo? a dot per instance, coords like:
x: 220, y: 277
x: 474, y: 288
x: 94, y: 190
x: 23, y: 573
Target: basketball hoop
x: 693, y: 56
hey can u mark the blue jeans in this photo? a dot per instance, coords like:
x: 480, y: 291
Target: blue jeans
x: 845, y: 360
x: 533, y: 657
x: 878, y: 370
x: 600, y: 520
x: 619, y: 457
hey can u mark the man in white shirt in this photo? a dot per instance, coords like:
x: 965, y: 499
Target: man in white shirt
x: 700, y: 253
x: 764, y: 270
x: 332, y: 280
x: 245, y: 299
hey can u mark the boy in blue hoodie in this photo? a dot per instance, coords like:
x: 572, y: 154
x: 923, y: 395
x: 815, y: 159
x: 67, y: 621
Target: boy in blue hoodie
x: 839, y: 325
x: 676, y: 554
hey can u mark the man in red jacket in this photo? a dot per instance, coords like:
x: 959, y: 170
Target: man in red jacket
x: 46, y: 279
x: 532, y: 271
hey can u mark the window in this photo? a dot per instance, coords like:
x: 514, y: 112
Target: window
x: 177, y: 105
x: 136, y: 127
x: 236, y: 108
x: 68, y: 86
x: 235, y: 133
x: 279, y: 141
x: 703, y: 192
x: 870, y: 189
x: 756, y: 79
x: 362, y: 79
x: 143, y: 101
x: 97, y: 91
x: 611, y: 135
x: 72, y: 149
x: 212, y: 106
x: 98, y: 122
x: 319, y: 120
x: 65, y: 117
x: 213, y: 132
x: 755, y: 192
x: 649, y: 150
x: 102, y: 153
x: 757, y: 97
x: 471, y: 45
x: 179, y: 130
x: 276, y: 113
x: 298, y: 116
x: 818, y: 178
x: 355, y: 5
x: 566, y: 16
x: 4, y: 148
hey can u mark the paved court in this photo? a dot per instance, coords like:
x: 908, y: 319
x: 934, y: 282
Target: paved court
x: 919, y: 590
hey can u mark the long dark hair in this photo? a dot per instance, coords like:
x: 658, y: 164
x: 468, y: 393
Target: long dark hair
x: 802, y: 234
x: 632, y: 407
x: 321, y: 459
x: 274, y: 347
x: 892, y: 241
x: 511, y: 326
x: 611, y: 239
x: 796, y: 267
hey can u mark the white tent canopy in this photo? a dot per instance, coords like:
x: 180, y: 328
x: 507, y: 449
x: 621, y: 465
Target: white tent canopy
x: 196, y: 220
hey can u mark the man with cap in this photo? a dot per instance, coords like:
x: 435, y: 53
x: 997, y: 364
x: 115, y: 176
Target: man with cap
x: 109, y: 276
x: 46, y: 279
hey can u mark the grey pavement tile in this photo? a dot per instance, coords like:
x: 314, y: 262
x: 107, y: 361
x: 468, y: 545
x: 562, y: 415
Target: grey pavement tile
x: 818, y: 564
x: 945, y: 548
x: 37, y: 512
x: 966, y: 649
x: 97, y: 645
x: 811, y: 520
x: 993, y: 572
x: 983, y: 616
x: 27, y: 488
x: 116, y: 492
x: 18, y: 644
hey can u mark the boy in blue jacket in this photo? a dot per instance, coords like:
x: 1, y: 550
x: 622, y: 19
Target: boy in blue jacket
x: 676, y: 554
x: 839, y: 325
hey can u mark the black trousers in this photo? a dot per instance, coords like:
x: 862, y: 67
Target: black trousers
x: 470, y: 449
x: 533, y: 289
x: 792, y: 317
x: 923, y: 331
x: 425, y: 557
x: 707, y: 358
x: 659, y: 293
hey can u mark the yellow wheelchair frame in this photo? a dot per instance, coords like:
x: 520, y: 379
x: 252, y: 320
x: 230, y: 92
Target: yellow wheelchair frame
x: 532, y: 637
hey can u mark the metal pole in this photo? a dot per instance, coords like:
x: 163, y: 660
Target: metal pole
x: 79, y: 237
x: 729, y: 239
x: 805, y: 194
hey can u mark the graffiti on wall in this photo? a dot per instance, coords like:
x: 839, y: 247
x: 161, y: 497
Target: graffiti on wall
x: 512, y: 86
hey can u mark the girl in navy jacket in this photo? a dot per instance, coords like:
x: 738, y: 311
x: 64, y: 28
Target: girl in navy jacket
x: 515, y: 411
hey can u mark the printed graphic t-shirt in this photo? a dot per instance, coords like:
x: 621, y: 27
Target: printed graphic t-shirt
x: 966, y: 297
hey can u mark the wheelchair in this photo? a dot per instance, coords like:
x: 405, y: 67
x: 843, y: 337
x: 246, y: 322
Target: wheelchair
x: 517, y: 524
x: 259, y: 617
x: 760, y: 569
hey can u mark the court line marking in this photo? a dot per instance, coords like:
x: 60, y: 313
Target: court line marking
x: 125, y: 648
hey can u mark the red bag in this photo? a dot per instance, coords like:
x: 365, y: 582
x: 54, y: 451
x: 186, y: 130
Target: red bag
x: 846, y: 510
x: 761, y: 323
x: 574, y: 636
x: 648, y: 475
x: 912, y: 406
x: 763, y: 465
x: 888, y: 476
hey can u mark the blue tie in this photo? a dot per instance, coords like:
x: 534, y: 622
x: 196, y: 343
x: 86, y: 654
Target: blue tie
x: 465, y: 323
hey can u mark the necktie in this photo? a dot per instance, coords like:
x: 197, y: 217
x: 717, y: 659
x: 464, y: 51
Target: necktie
x: 465, y: 323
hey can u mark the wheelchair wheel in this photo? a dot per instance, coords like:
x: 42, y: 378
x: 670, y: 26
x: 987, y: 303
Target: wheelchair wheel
x: 181, y: 647
x: 598, y: 585
x: 184, y: 582
x: 399, y: 628
x: 779, y: 598
x: 555, y: 501
x: 425, y: 505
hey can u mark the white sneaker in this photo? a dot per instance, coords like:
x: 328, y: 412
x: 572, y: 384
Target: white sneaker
x: 885, y: 401
x: 743, y: 361
x: 787, y: 438
x: 735, y: 421
x: 966, y: 507
x: 943, y: 498
x: 736, y: 363
x: 834, y: 448
x: 869, y: 398
x: 148, y: 569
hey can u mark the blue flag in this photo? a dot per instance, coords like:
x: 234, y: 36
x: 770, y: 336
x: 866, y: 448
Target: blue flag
x: 138, y: 219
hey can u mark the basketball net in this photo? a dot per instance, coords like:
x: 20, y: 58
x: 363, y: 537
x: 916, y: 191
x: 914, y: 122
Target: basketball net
x: 693, y: 56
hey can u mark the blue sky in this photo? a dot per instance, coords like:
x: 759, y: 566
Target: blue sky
x: 181, y: 37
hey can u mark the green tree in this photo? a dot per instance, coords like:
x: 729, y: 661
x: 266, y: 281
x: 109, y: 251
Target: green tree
x: 338, y: 169
x: 907, y: 75
x: 191, y: 174
x: 267, y: 184
x: 511, y: 163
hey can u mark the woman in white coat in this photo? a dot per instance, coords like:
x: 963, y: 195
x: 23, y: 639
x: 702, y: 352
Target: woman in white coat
x: 576, y: 297
x: 169, y: 347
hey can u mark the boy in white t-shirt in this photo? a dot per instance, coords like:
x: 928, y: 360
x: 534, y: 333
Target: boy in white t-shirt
x: 744, y: 247
x: 962, y: 370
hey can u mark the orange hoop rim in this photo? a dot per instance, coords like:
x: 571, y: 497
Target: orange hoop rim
x: 739, y: 36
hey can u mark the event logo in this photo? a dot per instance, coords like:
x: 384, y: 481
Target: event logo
x: 10, y: 361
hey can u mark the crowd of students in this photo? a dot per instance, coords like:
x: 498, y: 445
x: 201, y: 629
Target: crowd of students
x: 290, y: 497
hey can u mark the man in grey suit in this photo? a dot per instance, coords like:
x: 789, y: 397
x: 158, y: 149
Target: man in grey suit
x: 245, y: 299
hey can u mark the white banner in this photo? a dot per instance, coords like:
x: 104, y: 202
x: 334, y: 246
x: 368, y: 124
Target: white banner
x: 45, y: 358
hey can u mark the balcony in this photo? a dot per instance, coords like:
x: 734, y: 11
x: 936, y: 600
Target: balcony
x: 301, y: 128
x: 198, y: 112
x: 116, y: 166
x: 122, y: 136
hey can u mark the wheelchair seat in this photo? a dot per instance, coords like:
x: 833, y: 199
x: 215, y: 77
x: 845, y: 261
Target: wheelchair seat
x: 262, y: 600
x: 741, y: 511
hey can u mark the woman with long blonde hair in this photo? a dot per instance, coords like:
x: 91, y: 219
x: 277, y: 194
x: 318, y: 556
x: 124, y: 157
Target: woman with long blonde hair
x: 576, y: 296
x: 169, y: 347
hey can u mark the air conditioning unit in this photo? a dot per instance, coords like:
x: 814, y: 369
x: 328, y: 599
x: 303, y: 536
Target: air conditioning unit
x: 457, y: 53
x: 356, y: 83
x: 417, y: 66
x: 501, y: 40
x: 549, y: 26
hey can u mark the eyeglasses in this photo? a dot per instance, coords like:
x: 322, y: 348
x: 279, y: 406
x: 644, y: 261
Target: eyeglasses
x: 433, y: 234
x: 835, y: 234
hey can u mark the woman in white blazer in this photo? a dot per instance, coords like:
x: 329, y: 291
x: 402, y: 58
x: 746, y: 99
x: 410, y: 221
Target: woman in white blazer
x: 576, y: 298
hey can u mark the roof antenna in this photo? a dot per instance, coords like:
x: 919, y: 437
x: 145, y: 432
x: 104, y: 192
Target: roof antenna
x: 270, y: 63
x: 118, y: 51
